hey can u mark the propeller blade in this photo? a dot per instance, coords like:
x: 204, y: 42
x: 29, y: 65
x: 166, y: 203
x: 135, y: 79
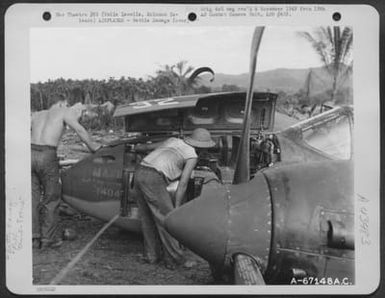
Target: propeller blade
x: 200, y: 70
x: 242, y: 168
x: 246, y: 271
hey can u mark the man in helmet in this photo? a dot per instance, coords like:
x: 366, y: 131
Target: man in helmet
x: 173, y: 159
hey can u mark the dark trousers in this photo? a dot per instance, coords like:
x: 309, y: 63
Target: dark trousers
x: 46, y: 191
x: 154, y: 204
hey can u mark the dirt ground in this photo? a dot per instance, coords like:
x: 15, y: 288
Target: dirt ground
x: 115, y: 258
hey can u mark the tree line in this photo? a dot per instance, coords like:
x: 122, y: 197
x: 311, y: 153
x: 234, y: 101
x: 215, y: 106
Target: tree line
x: 332, y: 44
x: 174, y: 80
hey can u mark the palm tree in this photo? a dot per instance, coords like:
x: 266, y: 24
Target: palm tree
x: 182, y: 76
x: 335, y: 50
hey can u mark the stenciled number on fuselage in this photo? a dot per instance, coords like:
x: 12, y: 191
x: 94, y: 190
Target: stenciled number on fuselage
x: 147, y: 104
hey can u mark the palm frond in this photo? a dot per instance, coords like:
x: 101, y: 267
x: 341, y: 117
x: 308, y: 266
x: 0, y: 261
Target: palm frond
x: 320, y: 42
x: 187, y: 71
x: 337, y: 48
x: 330, y: 35
x: 317, y: 45
x: 305, y: 35
x: 180, y: 66
x: 346, y: 44
x: 345, y: 74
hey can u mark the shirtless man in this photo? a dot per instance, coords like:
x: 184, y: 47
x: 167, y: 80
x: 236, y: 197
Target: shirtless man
x: 47, y: 127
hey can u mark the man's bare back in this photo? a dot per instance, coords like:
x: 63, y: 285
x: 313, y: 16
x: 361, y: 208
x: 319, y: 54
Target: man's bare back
x: 47, y: 126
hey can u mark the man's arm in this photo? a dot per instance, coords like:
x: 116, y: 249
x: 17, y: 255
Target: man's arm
x: 183, y: 182
x: 71, y: 120
x: 146, y: 147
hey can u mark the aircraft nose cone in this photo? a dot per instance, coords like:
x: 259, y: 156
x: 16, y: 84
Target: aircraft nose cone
x: 201, y: 225
x: 225, y: 221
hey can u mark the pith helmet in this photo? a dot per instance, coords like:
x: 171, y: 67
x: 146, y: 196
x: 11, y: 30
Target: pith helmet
x: 200, y: 138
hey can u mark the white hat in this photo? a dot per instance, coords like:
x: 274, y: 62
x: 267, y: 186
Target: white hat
x: 200, y: 138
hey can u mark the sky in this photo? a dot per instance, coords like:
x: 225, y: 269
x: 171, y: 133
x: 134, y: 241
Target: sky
x: 104, y: 52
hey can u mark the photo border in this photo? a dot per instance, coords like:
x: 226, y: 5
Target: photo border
x: 381, y: 69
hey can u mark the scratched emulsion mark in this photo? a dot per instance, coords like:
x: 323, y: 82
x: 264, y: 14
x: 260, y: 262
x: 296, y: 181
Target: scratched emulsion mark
x: 14, y: 226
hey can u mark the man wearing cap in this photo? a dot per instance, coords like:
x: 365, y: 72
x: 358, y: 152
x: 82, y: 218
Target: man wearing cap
x: 171, y: 160
x: 47, y: 127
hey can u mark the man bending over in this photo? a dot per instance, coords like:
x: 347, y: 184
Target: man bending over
x: 47, y: 127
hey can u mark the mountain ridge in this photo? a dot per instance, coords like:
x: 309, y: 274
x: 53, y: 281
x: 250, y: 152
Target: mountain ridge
x: 288, y: 80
